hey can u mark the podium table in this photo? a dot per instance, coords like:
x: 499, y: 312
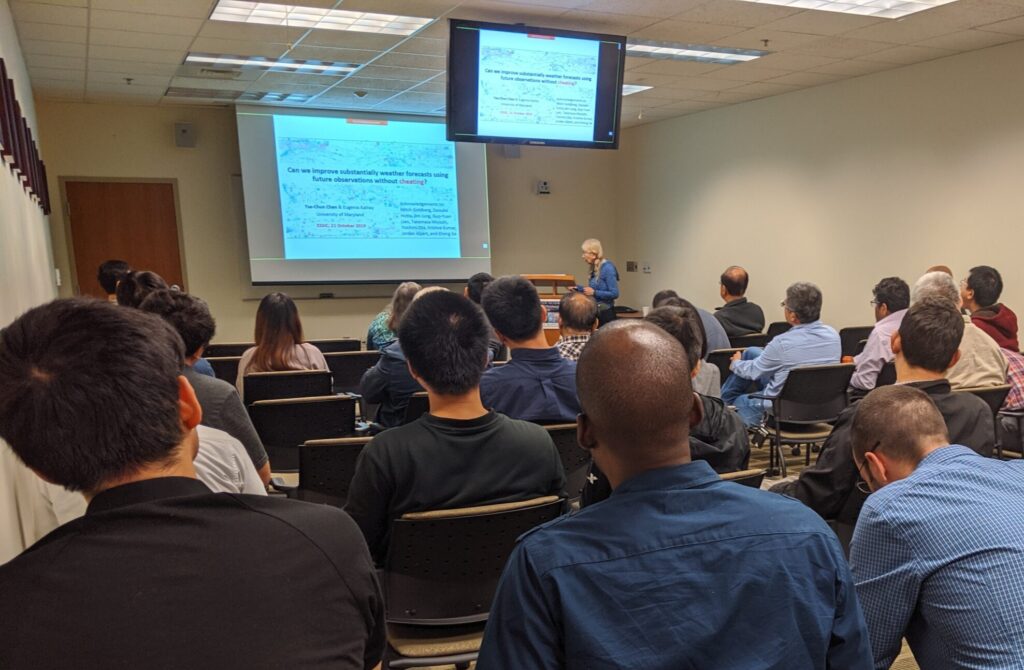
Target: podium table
x: 550, y: 289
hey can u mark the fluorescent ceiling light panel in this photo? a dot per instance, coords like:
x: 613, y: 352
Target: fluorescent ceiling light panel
x: 296, y: 16
x: 630, y: 89
x: 286, y: 65
x: 692, y: 52
x: 880, y: 9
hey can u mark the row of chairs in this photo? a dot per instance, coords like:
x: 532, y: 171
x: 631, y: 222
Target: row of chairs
x: 219, y: 349
x: 850, y: 338
x: 346, y: 368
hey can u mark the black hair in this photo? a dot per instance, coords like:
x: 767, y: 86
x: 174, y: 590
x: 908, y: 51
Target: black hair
x: 735, y: 280
x: 895, y: 420
x: 804, y: 300
x: 578, y: 311
x: 445, y: 338
x: 892, y: 292
x: 986, y: 284
x: 682, y: 323
x: 691, y: 311
x: 930, y: 333
x: 513, y: 307
x: 188, y: 315
x: 110, y: 272
x: 661, y: 296
x: 135, y: 286
x: 89, y: 391
x: 476, y: 284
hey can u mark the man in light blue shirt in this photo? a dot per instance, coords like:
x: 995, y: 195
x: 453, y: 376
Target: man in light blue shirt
x: 764, y: 371
x: 938, y: 552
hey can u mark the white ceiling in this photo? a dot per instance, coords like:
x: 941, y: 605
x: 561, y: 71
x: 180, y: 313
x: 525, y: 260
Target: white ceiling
x: 85, y: 50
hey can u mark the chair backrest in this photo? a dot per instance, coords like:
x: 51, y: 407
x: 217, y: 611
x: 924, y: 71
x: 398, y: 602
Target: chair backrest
x: 419, y: 404
x: 575, y: 459
x: 285, y: 424
x: 752, y: 478
x: 776, y: 328
x: 860, y: 346
x: 326, y: 468
x: 752, y: 340
x: 222, y: 349
x: 814, y: 393
x: 287, y: 384
x: 348, y: 368
x: 334, y: 346
x: 443, y: 569
x: 225, y: 367
x: 849, y: 338
x: 887, y: 375
x: 994, y: 396
x: 721, y: 358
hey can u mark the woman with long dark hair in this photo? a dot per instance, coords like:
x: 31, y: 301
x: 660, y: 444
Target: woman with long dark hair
x: 279, y: 342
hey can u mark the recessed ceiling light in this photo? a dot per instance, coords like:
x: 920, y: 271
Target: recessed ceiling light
x: 269, y: 96
x: 692, y: 52
x: 880, y: 9
x: 280, y: 64
x: 296, y: 16
x: 630, y: 89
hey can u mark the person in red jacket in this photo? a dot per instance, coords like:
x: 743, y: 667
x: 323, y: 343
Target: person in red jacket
x: 980, y: 292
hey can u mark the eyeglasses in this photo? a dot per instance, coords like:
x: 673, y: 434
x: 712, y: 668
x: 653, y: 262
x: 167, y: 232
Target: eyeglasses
x: 783, y: 305
x: 874, y: 303
x: 862, y: 484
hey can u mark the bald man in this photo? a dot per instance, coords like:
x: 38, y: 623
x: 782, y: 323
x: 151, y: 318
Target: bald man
x: 664, y: 572
x: 738, y: 315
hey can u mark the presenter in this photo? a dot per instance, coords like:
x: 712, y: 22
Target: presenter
x: 604, y: 281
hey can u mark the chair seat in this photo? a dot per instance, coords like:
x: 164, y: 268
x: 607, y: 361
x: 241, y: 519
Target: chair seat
x: 427, y: 641
x: 813, y: 431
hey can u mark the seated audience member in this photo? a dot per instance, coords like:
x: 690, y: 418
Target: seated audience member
x: 133, y: 287
x: 716, y: 335
x: 383, y: 329
x: 279, y: 342
x: 91, y: 399
x: 808, y: 342
x: 891, y: 297
x: 720, y: 438
x: 222, y: 408
x: 655, y: 575
x: 460, y: 454
x: 474, y: 291
x: 109, y: 273
x: 925, y: 347
x: 707, y: 379
x: 738, y: 316
x: 577, y: 319
x: 939, y: 546
x: 980, y: 293
x: 537, y: 384
x: 981, y: 362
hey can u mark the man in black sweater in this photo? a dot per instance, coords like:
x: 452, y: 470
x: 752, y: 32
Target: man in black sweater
x: 459, y: 454
x: 738, y: 315
x: 925, y: 346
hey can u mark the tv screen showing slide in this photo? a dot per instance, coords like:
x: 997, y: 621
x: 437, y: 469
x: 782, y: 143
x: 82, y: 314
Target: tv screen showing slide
x: 524, y: 85
x: 335, y: 198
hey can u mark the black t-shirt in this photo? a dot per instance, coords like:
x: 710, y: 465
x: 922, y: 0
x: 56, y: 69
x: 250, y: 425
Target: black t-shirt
x: 162, y: 573
x: 434, y: 463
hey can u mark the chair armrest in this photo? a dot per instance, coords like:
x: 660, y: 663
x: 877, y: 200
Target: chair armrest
x: 278, y: 484
x: 761, y: 396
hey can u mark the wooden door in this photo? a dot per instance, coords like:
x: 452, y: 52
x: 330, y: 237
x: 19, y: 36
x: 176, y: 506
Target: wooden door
x: 131, y: 221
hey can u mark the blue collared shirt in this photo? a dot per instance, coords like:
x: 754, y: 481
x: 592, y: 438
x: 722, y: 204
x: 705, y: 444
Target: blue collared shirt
x: 678, y: 569
x: 811, y: 343
x: 536, y: 385
x: 939, y: 558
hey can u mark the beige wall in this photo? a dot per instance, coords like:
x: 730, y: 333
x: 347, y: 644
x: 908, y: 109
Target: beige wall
x: 530, y: 233
x: 843, y: 184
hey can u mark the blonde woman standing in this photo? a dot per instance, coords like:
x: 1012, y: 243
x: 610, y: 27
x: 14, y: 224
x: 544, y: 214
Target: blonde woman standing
x: 604, y: 280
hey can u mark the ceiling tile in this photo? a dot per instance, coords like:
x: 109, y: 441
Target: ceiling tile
x: 63, y: 3
x: 1010, y: 27
x: 199, y: 9
x: 413, y: 60
x: 778, y: 40
x: 764, y: 89
x: 853, y: 68
x: 662, y: 9
x: 401, y: 73
x: 911, y: 29
x: 967, y: 40
x: 743, y: 73
x: 348, y: 94
x: 736, y: 13
x: 687, y: 32
x: 817, y: 22
x: 790, y: 60
x: 127, y: 38
x: 646, y: 79
x: 348, y: 40
x: 45, y: 48
x: 50, y: 32
x: 377, y: 84
x: 600, y: 22
x: 147, y: 23
x: 56, y: 14
x: 304, y: 89
x: 420, y: 99
x: 806, y: 79
x: 905, y: 55
x: 706, y: 83
x: 212, y: 45
x: 131, y: 54
x: 60, y: 62
x: 423, y: 45
x: 334, y: 55
x: 56, y: 74
x: 421, y: 8
x: 676, y: 67
x: 438, y: 85
x: 256, y: 32
x: 500, y: 12
x: 118, y: 79
x: 105, y: 65
x: 210, y: 83
x: 318, y: 80
x: 840, y: 47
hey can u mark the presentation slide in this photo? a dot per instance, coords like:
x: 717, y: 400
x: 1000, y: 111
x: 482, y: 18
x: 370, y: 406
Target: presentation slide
x: 334, y: 198
x: 537, y: 86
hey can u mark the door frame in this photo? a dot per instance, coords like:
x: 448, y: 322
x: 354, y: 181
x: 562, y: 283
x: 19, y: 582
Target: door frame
x: 66, y: 211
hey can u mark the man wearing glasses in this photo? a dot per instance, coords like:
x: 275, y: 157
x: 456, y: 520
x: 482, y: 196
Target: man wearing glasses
x: 890, y: 299
x: 938, y: 554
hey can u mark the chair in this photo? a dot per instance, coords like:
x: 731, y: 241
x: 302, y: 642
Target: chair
x: 575, y: 459
x: 752, y: 478
x: 887, y: 375
x: 326, y: 468
x: 441, y: 573
x: 860, y: 347
x: 222, y: 349
x: 348, y: 368
x: 418, y: 405
x: 808, y: 403
x: 284, y: 424
x: 286, y: 384
x: 722, y: 358
x: 225, y: 367
x: 777, y: 328
x: 335, y: 346
x: 994, y: 397
x: 752, y: 340
x: 849, y: 338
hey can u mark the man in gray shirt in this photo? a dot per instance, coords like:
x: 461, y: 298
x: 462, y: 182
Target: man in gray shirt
x: 222, y: 408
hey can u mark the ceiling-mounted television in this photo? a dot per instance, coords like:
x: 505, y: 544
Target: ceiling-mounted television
x: 518, y: 84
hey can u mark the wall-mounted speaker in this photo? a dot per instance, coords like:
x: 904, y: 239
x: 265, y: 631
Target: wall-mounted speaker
x: 184, y: 135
